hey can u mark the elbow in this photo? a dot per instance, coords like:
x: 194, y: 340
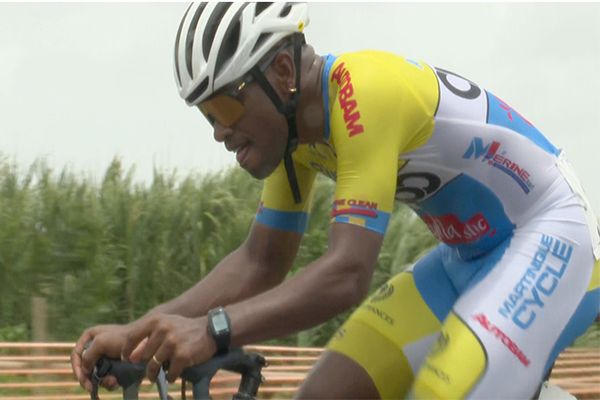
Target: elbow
x: 354, y: 281
x: 360, y: 290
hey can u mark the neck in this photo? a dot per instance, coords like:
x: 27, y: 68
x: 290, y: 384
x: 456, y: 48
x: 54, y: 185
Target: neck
x: 310, y: 115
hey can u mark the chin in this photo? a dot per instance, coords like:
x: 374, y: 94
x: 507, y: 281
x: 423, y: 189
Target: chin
x: 260, y: 172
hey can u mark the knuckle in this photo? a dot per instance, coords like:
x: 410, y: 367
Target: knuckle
x: 155, y: 319
x: 171, y: 341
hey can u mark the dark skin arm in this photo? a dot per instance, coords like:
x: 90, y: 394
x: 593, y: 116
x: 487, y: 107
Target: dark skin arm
x: 260, y: 263
x: 333, y: 283
x: 328, y: 286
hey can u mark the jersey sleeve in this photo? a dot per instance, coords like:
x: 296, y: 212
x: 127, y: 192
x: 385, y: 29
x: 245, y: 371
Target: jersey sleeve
x: 277, y: 208
x: 369, y: 133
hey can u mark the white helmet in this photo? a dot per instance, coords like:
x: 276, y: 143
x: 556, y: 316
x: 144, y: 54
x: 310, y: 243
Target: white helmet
x: 217, y: 43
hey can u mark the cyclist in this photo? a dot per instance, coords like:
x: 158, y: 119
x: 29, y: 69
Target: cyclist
x: 482, y: 315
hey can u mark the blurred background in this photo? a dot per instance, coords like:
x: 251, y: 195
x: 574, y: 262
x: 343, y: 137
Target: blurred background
x: 111, y: 186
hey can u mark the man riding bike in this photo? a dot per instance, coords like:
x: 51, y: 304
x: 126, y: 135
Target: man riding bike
x: 482, y: 315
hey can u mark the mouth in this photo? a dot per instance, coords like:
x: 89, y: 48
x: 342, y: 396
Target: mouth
x: 241, y: 152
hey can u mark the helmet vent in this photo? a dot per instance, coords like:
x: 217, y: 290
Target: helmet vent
x: 177, y: 45
x: 212, y: 25
x: 230, y: 44
x: 191, y: 98
x: 260, y: 7
x: 286, y: 10
x: 261, y: 39
x: 189, y: 41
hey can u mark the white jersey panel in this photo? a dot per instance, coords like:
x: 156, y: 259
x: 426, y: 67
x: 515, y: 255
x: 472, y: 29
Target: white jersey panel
x: 483, y: 171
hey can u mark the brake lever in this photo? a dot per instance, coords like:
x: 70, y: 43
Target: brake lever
x: 248, y: 365
x: 128, y: 375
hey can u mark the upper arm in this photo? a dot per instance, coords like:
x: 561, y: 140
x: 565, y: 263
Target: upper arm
x: 368, y: 136
x: 271, y: 250
x: 276, y: 233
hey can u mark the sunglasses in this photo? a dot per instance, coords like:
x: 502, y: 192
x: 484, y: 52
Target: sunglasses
x: 225, y: 107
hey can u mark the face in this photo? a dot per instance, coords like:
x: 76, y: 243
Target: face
x: 259, y: 136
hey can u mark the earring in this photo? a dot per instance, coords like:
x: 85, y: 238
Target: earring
x: 293, y: 90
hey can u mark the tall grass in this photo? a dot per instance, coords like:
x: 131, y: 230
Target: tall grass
x: 108, y: 251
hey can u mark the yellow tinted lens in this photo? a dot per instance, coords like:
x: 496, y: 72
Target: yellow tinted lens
x: 224, y: 109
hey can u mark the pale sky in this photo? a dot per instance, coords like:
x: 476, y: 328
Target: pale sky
x: 81, y: 83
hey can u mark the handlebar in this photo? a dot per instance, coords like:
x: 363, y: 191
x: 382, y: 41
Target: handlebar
x: 130, y: 375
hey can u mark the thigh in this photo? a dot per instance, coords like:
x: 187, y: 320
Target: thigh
x: 384, y: 342
x: 526, y: 303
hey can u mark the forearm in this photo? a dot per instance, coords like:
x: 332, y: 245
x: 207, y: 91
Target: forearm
x: 313, y: 296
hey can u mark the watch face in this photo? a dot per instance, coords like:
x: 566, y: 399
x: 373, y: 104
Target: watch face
x: 219, y: 322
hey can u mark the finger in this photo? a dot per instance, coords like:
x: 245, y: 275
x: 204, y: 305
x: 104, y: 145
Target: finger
x: 80, y: 376
x: 76, y: 360
x: 153, y: 342
x: 176, y: 367
x: 91, y: 355
x: 178, y: 361
x: 138, y: 352
x: 138, y: 330
x: 163, y: 354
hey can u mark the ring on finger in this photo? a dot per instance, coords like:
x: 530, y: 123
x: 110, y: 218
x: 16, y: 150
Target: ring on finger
x: 156, y: 361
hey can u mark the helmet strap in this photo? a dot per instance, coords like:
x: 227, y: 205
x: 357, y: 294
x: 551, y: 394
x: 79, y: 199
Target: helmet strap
x: 289, y: 112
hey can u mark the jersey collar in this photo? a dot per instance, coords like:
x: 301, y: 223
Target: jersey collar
x: 329, y: 59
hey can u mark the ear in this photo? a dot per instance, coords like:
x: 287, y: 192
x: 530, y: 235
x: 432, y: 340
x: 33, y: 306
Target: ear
x: 284, y: 71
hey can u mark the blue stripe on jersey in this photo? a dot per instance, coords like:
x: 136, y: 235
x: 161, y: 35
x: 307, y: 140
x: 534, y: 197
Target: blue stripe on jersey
x: 378, y: 223
x: 500, y: 113
x: 433, y: 283
x: 466, y: 215
x: 329, y: 60
x: 293, y: 221
x: 579, y: 322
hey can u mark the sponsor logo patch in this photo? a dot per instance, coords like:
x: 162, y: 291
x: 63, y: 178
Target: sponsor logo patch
x: 347, y: 101
x: 500, y: 335
x: 538, y: 283
x: 494, y: 156
x: 450, y: 229
x: 383, y: 293
x: 354, y: 207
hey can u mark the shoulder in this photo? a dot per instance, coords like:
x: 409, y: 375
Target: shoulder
x: 363, y: 68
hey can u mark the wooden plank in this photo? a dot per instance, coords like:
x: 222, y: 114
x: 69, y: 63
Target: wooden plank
x: 37, y: 345
x: 40, y: 371
x: 36, y: 358
x: 576, y: 362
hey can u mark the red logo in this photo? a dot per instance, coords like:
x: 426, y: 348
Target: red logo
x: 509, y: 110
x: 347, y: 103
x: 353, y: 206
x: 449, y: 229
x: 506, y: 341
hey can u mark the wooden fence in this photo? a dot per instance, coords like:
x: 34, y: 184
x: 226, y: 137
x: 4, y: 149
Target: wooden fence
x: 36, y: 371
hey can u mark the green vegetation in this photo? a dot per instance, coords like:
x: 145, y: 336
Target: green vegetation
x: 108, y: 251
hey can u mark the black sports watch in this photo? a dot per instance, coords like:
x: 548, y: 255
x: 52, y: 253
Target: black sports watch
x: 219, y: 327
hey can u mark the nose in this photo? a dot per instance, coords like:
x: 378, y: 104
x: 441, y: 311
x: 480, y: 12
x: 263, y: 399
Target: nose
x: 221, y: 133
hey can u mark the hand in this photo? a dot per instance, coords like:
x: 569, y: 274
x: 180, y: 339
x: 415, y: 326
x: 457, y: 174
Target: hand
x: 103, y: 337
x: 181, y: 341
